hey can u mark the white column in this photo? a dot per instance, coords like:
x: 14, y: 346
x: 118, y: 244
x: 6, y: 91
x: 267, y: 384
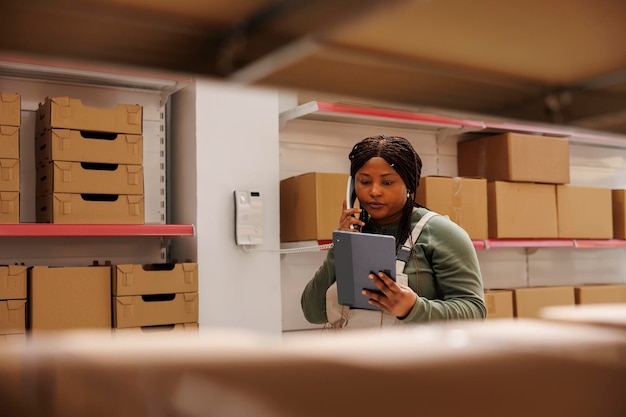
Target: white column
x: 228, y: 141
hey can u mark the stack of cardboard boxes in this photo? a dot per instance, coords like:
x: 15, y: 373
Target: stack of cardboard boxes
x: 89, y: 163
x: 529, y: 195
x: 89, y: 171
x: 12, y: 304
x: 126, y: 298
x: 156, y: 297
x: 12, y: 278
x: 510, y: 185
x: 528, y: 302
x: 10, y: 108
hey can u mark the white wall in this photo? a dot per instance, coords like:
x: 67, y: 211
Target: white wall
x: 225, y: 137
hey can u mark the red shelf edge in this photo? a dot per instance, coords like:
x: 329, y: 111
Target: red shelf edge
x: 548, y: 243
x: 409, y: 116
x: 47, y: 229
x: 485, y: 244
x: 396, y: 114
x: 530, y: 243
x: 600, y: 243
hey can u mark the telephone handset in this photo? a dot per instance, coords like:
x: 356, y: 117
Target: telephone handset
x: 351, y: 199
x: 350, y: 195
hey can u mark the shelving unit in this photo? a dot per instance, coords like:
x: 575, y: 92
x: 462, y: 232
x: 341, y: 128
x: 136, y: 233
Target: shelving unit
x: 35, y: 79
x: 81, y: 74
x: 353, y: 114
x: 346, y: 113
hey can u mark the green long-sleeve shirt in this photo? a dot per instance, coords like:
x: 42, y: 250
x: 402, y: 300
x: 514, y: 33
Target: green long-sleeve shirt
x: 449, y: 285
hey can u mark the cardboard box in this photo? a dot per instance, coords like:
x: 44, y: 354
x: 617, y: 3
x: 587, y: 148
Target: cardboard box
x: 70, y: 113
x: 619, y: 213
x: 9, y: 207
x: 584, y: 212
x: 13, y: 282
x: 528, y: 302
x: 524, y: 368
x: 65, y: 208
x: 604, y: 315
x: 12, y: 316
x: 9, y: 174
x: 13, y: 339
x: 10, y: 109
x: 522, y: 210
x: 9, y: 142
x: 310, y: 206
x: 75, y: 145
x: 89, y: 177
x: 64, y: 298
x: 600, y: 294
x: 133, y: 279
x: 178, y: 329
x: 515, y: 157
x: 499, y: 304
x: 154, y: 310
x: 464, y: 200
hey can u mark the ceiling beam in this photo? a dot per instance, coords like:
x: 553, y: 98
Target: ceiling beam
x: 110, y: 33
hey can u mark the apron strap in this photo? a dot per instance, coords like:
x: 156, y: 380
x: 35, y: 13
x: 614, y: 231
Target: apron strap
x: 405, y: 250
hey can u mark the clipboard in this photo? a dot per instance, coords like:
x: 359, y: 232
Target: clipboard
x: 356, y: 255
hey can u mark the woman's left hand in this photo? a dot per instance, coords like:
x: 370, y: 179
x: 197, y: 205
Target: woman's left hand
x: 395, y: 299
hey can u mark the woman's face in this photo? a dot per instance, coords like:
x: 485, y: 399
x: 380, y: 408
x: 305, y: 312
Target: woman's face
x: 381, y: 191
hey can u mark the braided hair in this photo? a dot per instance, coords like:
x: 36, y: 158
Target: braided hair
x: 399, y: 153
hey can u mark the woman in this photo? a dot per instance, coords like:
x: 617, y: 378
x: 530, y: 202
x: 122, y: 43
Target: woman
x: 444, y: 280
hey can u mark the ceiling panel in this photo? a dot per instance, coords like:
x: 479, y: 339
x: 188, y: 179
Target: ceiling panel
x: 341, y: 71
x: 211, y: 38
x: 555, y: 61
x: 544, y: 41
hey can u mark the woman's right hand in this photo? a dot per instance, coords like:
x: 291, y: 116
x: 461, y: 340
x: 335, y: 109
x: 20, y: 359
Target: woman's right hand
x: 347, y: 221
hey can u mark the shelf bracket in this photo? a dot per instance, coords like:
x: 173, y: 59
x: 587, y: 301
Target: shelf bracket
x: 164, y: 245
x: 531, y: 251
